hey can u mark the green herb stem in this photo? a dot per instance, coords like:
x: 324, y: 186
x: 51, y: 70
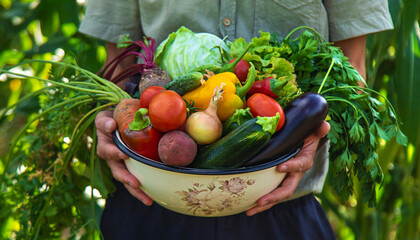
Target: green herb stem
x: 357, y: 111
x: 93, y: 111
x: 366, y: 90
x: 24, y: 98
x: 67, y: 85
x: 112, y: 87
x: 326, y: 76
x: 92, y: 180
x: 306, y: 27
x: 342, y: 124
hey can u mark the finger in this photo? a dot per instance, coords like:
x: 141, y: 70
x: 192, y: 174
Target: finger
x: 303, y: 161
x: 104, y: 122
x: 257, y: 209
x: 300, y: 163
x: 139, y: 194
x: 121, y: 174
x: 106, y: 148
x: 285, y: 191
x: 322, y: 130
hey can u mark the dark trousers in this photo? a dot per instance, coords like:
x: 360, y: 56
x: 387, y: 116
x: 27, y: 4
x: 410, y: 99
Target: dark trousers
x: 126, y: 218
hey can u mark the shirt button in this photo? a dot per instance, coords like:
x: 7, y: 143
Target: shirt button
x: 227, y: 22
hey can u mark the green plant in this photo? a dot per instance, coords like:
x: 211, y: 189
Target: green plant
x: 393, y: 62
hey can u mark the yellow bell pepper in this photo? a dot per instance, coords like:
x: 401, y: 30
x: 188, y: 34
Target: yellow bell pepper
x: 231, y: 97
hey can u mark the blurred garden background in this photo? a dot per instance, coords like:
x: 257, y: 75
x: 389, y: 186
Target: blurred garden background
x: 47, y: 29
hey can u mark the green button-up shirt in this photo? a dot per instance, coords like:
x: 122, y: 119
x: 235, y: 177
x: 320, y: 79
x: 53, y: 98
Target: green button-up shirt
x: 334, y: 19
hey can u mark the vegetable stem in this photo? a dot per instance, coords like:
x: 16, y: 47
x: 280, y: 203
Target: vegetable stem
x: 67, y: 85
x: 140, y: 121
x: 306, y: 27
x: 326, y: 76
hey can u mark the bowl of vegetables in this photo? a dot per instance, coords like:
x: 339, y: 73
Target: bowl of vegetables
x: 226, y: 176
x: 204, y: 192
x: 207, y: 144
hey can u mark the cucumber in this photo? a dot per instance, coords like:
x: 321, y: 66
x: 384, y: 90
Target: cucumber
x: 236, y: 148
x: 185, y: 83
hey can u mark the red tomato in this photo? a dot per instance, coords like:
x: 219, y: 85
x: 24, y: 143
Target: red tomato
x: 148, y: 94
x: 264, y: 106
x: 167, y: 111
x: 241, y: 69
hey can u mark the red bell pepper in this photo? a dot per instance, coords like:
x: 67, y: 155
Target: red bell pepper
x: 269, y: 86
x: 141, y: 137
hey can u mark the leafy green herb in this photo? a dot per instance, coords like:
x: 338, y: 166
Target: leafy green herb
x: 52, y: 160
x: 358, y: 119
x: 357, y: 116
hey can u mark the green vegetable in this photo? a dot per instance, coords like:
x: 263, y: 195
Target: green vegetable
x: 239, y: 117
x: 357, y: 117
x: 185, y: 83
x: 50, y: 142
x: 236, y: 148
x: 269, y: 60
x: 184, y: 52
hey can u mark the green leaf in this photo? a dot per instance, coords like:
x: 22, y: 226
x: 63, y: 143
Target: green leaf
x: 401, y: 138
x: 345, y: 159
x: 357, y: 133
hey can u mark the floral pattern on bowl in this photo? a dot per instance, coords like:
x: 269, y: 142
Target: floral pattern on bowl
x: 215, y: 197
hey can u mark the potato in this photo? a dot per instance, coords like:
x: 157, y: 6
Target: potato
x: 177, y: 148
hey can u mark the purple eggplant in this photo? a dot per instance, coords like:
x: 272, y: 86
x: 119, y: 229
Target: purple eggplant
x: 303, y: 116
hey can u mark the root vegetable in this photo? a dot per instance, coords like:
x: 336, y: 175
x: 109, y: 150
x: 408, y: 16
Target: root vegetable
x: 124, y: 112
x: 153, y: 77
x: 151, y: 73
x: 176, y: 148
x: 205, y: 127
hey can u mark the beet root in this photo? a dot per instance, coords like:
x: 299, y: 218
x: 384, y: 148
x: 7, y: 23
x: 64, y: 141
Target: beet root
x: 153, y: 77
x: 176, y: 148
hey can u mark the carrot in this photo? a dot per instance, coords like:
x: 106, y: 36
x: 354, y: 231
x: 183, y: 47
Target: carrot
x: 124, y: 112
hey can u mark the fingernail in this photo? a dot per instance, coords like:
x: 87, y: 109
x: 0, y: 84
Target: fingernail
x: 283, y: 168
x: 108, y: 126
x: 122, y: 156
x: 263, y: 203
x: 250, y: 214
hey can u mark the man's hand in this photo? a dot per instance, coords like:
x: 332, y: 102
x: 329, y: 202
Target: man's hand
x: 295, y: 169
x: 107, y: 150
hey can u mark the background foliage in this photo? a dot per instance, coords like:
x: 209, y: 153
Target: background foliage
x: 47, y: 29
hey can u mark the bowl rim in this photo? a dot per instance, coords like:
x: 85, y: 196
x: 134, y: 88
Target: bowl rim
x: 135, y: 156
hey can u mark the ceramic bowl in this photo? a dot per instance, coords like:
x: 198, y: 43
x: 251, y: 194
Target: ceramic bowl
x: 204, y: 192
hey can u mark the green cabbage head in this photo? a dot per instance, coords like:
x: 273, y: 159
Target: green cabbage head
x: 184, y: 51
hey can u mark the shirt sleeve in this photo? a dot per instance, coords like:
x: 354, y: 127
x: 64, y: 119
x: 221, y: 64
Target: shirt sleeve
x: 349, y: 19
x: 110, y: 19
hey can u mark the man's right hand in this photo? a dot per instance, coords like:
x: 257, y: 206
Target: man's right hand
x: 106, y: 149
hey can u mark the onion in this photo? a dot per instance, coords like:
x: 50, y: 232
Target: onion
x: 205, y: 127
